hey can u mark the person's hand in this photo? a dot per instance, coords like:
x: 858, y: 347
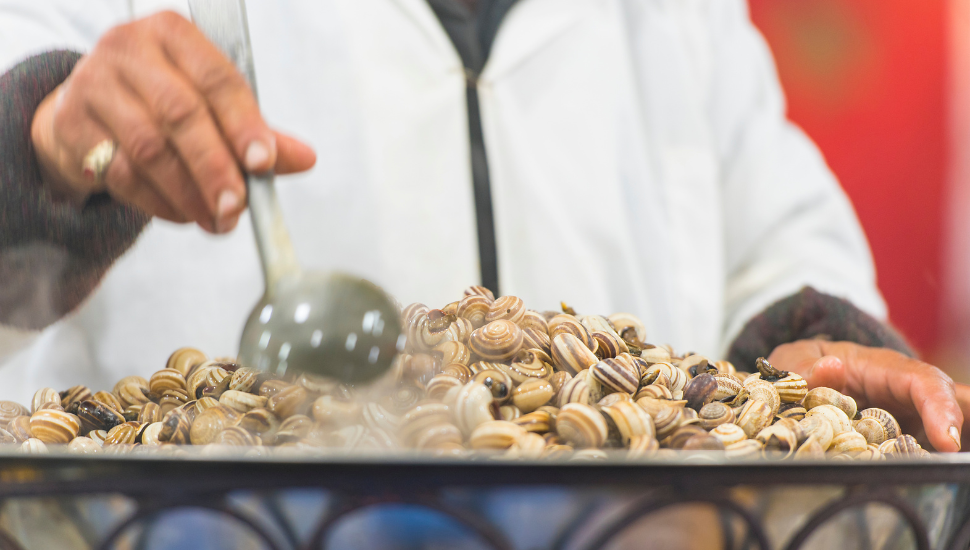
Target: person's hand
x: 183, y: 117
x: 920, y: 396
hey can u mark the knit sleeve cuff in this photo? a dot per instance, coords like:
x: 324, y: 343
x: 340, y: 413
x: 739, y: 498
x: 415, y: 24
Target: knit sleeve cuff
x: 52, y: 253
x: 811, y: 314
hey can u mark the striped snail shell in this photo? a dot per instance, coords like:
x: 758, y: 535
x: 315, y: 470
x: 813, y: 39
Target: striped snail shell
x: 614, y: 398
x: 403, y: 397
x: 499, y: 383
x: 527, y: 446
x: 818, y: 428
x: 617, y: 375
x: 421, y: 417
x: 479, y: 291
x: 792, y: 388
x: 570, y: 354
x: 453, y: 351
x: 379, y: 418
x: 509, y: 412
x: 655, y: 406
x: 872, y: 430
x: 172, y: 399
x: 440, y: 384
x: 729, y: 434
x: 836, y: 416
x: 905, y: 446
x: 244, y: 402
x: 441, y: 435
x: 676, y: 377
x: 260, y: 422
x: 33, y: 446
x: 495, y: 435
x: 293, y: 400
x: 534, y: 320
x: 508, y: 308
x: 626, y: 420
x: 828, y: 396
x: 791, y: 410
x: 810, y: 449
x: 19, y: 428
x: 629, y: 327
x: 204, y: 404
x: 473, y: 309
x: 695, y: 364
x: 451, y: 308
x: 166, y: 379
x: 74, y: 394
x: 849, y: 442
x: 556, y: 452
x: 760, y: 390
x: 235, y: 436
x: 724, y: 367
x: 608, y: 344
x: 185, y: 359
x: 655, y: 391
x: 715, y: 414
x: 269, y: 388
x: 109, y: 400
x: 294, y: 428
x: 535, y: 339
x: 883, y: 417
x: 330, y: 409
x: 462, y: 372
x: 53, y: 426
x: 175, y: 427
x: 669, y: 419
x: 581, y: 426
x: 10, y: 410
x: 532, y: 394
x: 744, y: 450
x: 567, y: 324
x: 42, y: 397
x: 755, y: 415
x: 682, y: 435
x: 699, y: 391
x: 95, y: 415
x: 642, y: 446
x: 128, y: 395
x: 529, y: 364
x: 123, y: 434
x: 210, y: 423
x: 538, y: 421
x: 83, y: 446
x: 97, y: 436
x: 244, y: 380
x: 411, y: 311
x: 558, y: 380
x: 473, y: 406
x: 420, y: 367
x: 654, y: 354
x: 575, y: 390
x: 150, y: 435
x: 496, y: 341
x: 779, y: 440
x: 7, y: 438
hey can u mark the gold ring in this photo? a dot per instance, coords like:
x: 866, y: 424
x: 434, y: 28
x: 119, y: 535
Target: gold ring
x: 98, y: 159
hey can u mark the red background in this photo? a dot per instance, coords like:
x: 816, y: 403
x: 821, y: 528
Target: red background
x: 866, y: 79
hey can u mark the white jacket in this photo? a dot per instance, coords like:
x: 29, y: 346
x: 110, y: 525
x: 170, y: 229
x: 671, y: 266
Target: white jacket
x: 640, y: 161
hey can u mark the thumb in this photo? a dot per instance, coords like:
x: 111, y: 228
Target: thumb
x: 827, y: 371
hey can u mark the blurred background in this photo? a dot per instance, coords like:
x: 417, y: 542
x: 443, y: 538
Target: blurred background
x: 883, y: 87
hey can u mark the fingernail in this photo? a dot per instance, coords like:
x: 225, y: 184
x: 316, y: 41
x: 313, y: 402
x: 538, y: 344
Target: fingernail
x: 955, y: 436
x: 228, y: 203
x: 257, y: 155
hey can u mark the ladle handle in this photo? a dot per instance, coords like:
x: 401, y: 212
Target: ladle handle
x: 224, y: 23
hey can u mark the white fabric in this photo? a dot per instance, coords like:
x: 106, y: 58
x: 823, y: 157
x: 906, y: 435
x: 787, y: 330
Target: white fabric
x: 639, y: 154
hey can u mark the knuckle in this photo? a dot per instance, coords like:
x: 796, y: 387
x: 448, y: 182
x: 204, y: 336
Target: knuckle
x: 220, y: 76
x: 178, y: 109
x: 166, y: 20
x: 146, y: 146
x: 116, y: 37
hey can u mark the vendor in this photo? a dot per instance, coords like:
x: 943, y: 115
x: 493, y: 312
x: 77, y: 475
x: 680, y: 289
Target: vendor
x: 622, y: 155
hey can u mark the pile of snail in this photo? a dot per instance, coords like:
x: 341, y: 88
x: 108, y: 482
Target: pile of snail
x: 478, y: 377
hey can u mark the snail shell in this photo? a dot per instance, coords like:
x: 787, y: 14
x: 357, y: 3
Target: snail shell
x: 496, y: 341
x: 653, y: 354
x: 528, y: 446
x: 761, y: 390
x: 755, y: 415
x: 558, y: 380
x: 473, y: 406
x: 905, y: 446
x: 702, y: 442
x: 439, y: 385
x: 499, y: 383
x: 53, y: 426
x: 270, y: 388
x: 870, y: 453
x: 811, y: 449
x: 608, y: 344
x: 532, y: 394
x: 97, y: 436
x: 235, y: 436
x: 10, y: 410
x: 329, y: 409
x: 149, y: 413
x: 627, y: 420
x: 261, y: 423
x: 744, y: 450
x: 150, y: 435
x: 245, y: 402
x: 883, y: 417
x: 74, y: 394
x: 534, y: 320
x: 83, y: 446
x: 33, y: 446
x: 109, y: 400
x: 421, y: 417
x: 575, y: 390
x: 7, y: 438
x: 655, y: 406
x: 570, y: 354
x: 792, y: 388
x: 629, y: 327
x: 378, y: 418
x: 43, y: 397
x: 462, y: 372
x: 724, y: 367
x: 567, y: 324
x: 581, y: 425
x: 185, y: 359
x: 123, y: 434
x: 244, y: 380
x: 166, y: 379
x: 655, y: 391
x: 453, y: 351
x: 588, y: 455
x: 176, y: 425
x: 849, y: 442
x: 836, y: 416
x: 729, y: 434
x: 617, y: 375
x: 669, y: 420
x: 411, y: 311
x: 715, y: 414
x: 473, y: 309
x: 728, y: 387
x: 495, y: 434
x: 791, y: 410
x: 210, y: 423
x: 828, y: 396
x: 539, y: 422
x: 699, y: 391
x: 778, y: 439
x: 529, y: 364
x: 532, y: 338
x: 556, y: 452
x: 479, y: 291
x: 872, y: 430
x: 614, y: 398
x: 451, y: 308
x: 95, y: 415
x: 204, y: 404
x: 294, y: 428
x: 597, y: 323
x: 695, y: 364
x: 818, y: 428
x: 677, y: 378
x: 508, y: 308
x: 442, y: 435
x: 292, y: 400
x: 130, y: 390
x: 172, y: 399
x: 642, y: 446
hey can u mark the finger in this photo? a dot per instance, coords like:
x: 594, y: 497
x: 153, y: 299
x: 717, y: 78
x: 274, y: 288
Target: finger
x: 183, y: 116
x: 144, y: 144
x: 962, y: 392
x: 224, y: 89
x: 293, y: 155
x: 126, y: 186
x: 828, y: 372
x: 933, y: 394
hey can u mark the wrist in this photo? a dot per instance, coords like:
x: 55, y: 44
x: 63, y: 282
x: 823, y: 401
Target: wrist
x: 50, y: 159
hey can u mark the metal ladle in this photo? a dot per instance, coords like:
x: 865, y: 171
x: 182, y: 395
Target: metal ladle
x: 331, y: 324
